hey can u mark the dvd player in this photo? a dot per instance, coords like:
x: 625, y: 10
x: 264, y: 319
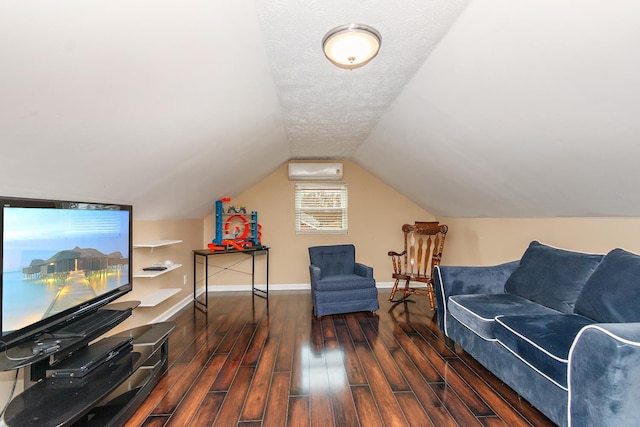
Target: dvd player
x: 89, y: 358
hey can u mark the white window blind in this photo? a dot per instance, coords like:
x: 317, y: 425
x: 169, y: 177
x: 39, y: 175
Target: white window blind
x: 321, y: 208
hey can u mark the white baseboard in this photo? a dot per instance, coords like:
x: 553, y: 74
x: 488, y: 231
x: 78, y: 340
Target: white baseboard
x: 173, y: 310
x: 279, y: 287
x: 384, y: 285
x: 276, y: 287
x: 272, y: 287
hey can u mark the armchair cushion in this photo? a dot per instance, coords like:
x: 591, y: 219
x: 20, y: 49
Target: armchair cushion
x: 552, y: 277
x: 333, y: 260
x: 343, y: 282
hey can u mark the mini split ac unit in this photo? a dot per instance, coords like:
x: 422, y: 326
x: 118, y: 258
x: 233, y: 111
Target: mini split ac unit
x: 315, y: 171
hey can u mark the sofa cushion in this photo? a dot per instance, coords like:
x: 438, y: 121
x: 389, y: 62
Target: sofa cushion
x: 541, y: 341
x: 478, y: 312
x: 552, y: 277
x: 612, y: 292
x: 344, y: 282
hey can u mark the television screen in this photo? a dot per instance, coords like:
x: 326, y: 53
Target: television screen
x: 60, y: 259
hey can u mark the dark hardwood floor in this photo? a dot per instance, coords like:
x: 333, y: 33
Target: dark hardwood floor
x: 249, y: 363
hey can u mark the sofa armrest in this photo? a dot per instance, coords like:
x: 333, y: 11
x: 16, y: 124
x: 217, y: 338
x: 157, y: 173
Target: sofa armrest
x: 363, y: 270
x: 315, y: 273
x: 457, y: 280
x: 603, y: 376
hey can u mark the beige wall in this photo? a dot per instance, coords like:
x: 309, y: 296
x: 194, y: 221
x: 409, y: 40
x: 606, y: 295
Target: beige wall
x: 487, y: 241
x: 376, y: 215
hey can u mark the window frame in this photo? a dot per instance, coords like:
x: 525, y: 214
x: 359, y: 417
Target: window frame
x: 335, y: 192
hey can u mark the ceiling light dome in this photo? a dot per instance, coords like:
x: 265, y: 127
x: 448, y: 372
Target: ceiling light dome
x: 351, y: 46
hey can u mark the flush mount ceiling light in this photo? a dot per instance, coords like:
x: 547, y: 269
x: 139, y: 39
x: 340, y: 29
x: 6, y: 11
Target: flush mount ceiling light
x: 351, y: 46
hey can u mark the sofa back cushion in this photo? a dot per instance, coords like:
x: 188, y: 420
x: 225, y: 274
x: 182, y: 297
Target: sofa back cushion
x: 612, y: 293
x: 552, y: 277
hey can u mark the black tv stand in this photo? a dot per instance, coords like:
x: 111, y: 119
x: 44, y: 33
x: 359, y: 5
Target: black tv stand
x: 28, y: 354
x: 107, y: 393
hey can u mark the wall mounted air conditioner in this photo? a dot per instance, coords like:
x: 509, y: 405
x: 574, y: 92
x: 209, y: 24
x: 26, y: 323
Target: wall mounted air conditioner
x: 315, y: 171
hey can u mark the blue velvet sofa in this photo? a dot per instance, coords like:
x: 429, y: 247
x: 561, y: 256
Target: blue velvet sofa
x: 561, y: 328
x: 339, y: 284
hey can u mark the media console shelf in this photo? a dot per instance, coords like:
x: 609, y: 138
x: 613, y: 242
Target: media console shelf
x: 107, y: 395
x: 92, y: 325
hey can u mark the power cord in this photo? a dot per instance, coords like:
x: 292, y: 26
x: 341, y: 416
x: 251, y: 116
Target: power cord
x: 31, y: 356
x: 15, y: 379
x: 15, y: 359
x: 45, y: 349
x: 13, y: 389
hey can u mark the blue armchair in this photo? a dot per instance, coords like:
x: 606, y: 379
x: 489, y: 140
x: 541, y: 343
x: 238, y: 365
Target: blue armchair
x: 338, y: 283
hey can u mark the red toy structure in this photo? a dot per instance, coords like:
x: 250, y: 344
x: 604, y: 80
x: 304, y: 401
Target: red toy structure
x: 237, y: 232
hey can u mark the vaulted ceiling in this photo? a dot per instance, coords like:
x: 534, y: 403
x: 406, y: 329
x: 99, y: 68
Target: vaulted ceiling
x: 495, y: 108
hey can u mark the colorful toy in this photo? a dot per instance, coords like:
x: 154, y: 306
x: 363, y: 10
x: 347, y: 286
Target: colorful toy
x: 237, y: 232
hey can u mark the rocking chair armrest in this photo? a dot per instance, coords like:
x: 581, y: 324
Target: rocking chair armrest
x: 363, y: 270
x: 393, y: 253
x: 396, y: 260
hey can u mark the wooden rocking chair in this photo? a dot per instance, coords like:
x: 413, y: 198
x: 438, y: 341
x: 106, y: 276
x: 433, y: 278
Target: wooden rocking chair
x: 423, y: 244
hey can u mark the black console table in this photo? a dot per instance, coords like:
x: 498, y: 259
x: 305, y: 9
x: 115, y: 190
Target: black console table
x: 206, y: 253
x: 108, y: 395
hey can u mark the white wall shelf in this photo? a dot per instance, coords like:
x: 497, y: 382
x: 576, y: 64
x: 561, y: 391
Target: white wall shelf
x: 156, y: 243
x: 156, y: 297
x: 155, y: 273
x: 160, y: 295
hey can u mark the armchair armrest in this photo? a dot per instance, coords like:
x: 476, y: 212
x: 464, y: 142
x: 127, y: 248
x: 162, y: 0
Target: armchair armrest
x: 457, y: 280
x: 603, y: 376
x: 315, y: 274
x: 363, y: 270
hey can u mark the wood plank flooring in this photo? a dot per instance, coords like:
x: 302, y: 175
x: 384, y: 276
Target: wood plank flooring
x: 250, y: 362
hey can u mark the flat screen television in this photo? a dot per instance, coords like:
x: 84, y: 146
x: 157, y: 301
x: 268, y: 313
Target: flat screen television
x: 60, y: 260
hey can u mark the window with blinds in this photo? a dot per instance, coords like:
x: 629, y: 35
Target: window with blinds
x: 321, y: 208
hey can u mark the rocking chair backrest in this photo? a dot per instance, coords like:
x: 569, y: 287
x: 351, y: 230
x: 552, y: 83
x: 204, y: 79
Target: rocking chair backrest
x: 423, y: 244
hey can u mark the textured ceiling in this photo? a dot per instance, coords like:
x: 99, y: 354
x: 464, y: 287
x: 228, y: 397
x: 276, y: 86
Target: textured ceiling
x: 472, y: 108
x: 328, y: 111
